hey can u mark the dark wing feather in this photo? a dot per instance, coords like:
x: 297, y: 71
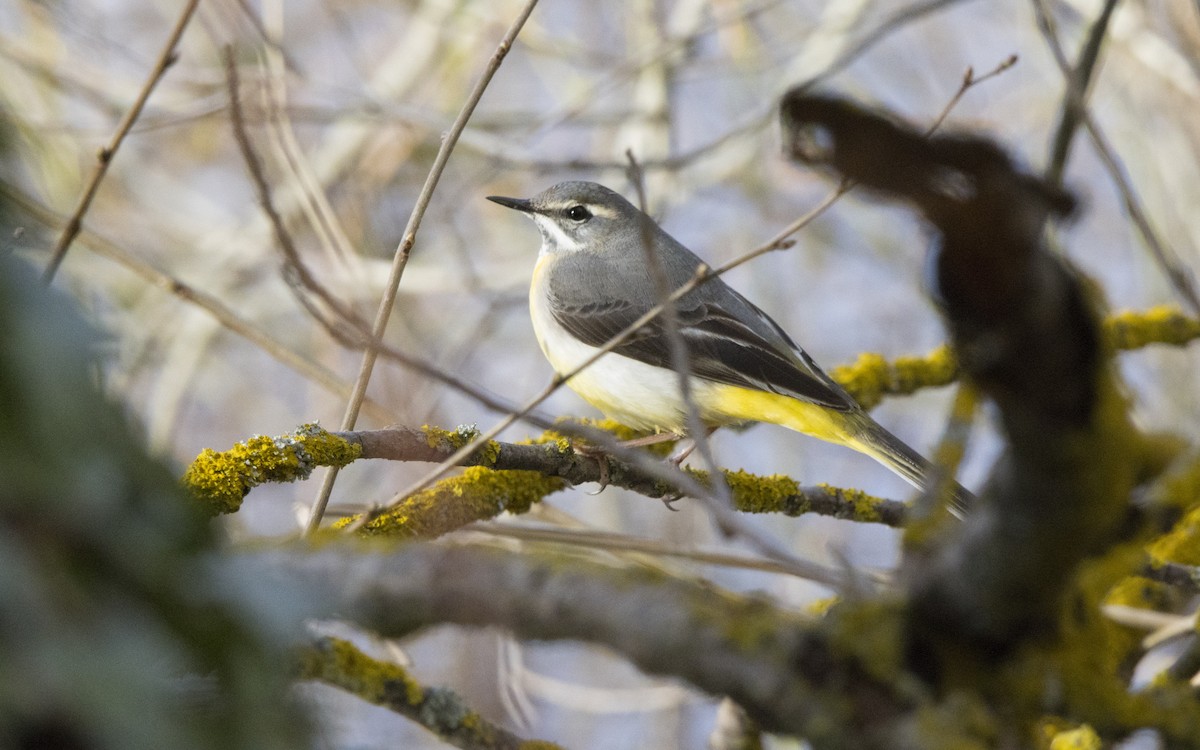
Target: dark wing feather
x: 722, y: 347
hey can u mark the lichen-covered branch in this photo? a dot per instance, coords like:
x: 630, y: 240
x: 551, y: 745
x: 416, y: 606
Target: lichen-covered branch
x: 443, y: 712
x: 1007, y: 603
x: 794, y: 675
x: 219, y: 481
x: 222, y: 480
x: 500, y: 477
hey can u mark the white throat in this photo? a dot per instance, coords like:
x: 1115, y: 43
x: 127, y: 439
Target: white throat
x: 554, y: 239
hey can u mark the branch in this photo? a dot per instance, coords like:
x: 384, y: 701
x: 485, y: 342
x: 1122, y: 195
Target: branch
x: 166, y: 58
x: 443, y: 712
x: 1028, y: 333
x: 786, y: 671
x: 409, y: 238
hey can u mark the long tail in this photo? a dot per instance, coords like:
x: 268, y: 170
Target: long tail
x: 854, y: 429
x: 873, y: 440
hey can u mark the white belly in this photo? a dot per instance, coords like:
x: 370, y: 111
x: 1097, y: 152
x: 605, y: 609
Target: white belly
x: 633, y: 393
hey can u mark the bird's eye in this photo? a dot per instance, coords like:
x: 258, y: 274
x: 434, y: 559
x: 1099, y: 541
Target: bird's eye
x: 578, y: 213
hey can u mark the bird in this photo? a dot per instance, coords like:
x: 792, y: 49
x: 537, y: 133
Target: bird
x: 592, y: 279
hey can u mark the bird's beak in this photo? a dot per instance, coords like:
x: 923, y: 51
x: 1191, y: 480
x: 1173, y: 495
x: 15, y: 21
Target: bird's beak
x: 517, y: 204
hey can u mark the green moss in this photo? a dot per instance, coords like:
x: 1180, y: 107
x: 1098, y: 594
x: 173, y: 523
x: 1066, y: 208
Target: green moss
x: 221, y: 480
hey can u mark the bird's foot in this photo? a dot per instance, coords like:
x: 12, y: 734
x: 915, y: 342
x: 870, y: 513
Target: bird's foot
x: 601, y: 457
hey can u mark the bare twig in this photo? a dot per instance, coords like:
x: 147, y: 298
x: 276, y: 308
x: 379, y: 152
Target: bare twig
x: 615, y: 542
x: 166, y: 58
x: 697, y: 431
x: 1079, y: 83
x: 1178, y: 274
x: 296, y: 271
x: 400, y: 259
x: 969, y: 79
x: 212, y: 305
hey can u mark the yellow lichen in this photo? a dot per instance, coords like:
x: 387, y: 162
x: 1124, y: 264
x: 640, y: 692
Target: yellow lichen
x: 1163, y: 324
x: 755, y: 494
x: 1080, y: 738
x: 871, y: 377
x: 221, y: 480
x: 449, y: 441
x: 819, y: 607
x: 477, y: 494
x: 338, y: 661
x: 1142, y: 593
x: 1181, y: 544
x: 865, y: 507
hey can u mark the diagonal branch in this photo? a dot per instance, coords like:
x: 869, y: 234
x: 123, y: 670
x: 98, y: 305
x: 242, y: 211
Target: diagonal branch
x: 408, y: 239
x: 166, y: 58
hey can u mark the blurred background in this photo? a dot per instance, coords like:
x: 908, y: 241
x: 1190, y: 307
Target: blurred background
x: 208, y: 343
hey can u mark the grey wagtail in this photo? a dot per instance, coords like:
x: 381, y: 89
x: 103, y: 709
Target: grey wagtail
x: 591, y: 281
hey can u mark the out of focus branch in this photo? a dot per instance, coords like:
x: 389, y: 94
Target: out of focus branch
x: 1177, y: 273
x: 788, y: 673
x: 443, y: 712
x: 1027, y: 331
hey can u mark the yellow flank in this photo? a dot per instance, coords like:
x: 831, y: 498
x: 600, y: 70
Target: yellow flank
x: 728, y: 404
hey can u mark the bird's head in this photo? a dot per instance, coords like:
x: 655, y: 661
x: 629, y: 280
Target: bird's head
x: 575, y: 216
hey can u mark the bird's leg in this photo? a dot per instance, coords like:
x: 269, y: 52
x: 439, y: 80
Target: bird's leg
x: 602, y: 458
x: 680, y: 455
x: 689, y: 445
x: 655, y: 439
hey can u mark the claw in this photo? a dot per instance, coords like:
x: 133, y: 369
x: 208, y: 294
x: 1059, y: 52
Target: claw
x: 671, y: 499
x: 602, y: 462
x: 600, y: 457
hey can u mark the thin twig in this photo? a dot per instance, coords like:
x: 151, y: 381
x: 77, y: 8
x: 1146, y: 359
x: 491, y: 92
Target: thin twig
x: 1079, y: 84
x: 1178, y: 274
x: 968, y: 80
x: 296, y: 272
x: 400, y: 259
x: 166, y: 58
x: 607, y: 540
x: 209, y: 303
x: 697, y: 431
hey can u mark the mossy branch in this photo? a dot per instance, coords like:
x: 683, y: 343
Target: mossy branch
x: 219, y: 481
x: 790, y: 673
x: 222, y: 480
x: 443, y: 712
x: 500, y: 477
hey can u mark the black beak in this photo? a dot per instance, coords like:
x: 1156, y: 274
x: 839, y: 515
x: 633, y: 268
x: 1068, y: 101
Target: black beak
x: 517, y: 204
